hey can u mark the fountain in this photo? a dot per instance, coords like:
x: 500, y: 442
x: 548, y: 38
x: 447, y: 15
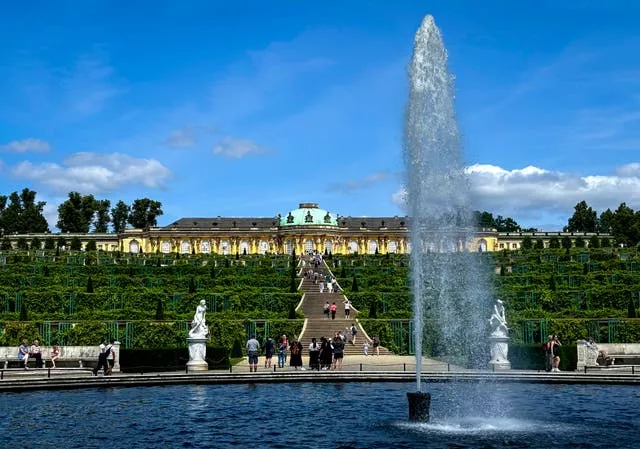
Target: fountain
x: 449, y: 283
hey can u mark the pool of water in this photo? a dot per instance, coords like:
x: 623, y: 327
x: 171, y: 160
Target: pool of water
x: 314, y: 415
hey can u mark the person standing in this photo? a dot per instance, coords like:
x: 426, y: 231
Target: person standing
x: 354, y: 332
x: 338, y: 352
x: 102, y: 359
x: 282, y: 351
x: 333, y: 309
x: 325, y: 310
x: 548, y: 354
x: 376, y: 345
x: 314, y: 355
x: 269, y: 346
x: 296, y: 355
x: 252, y: 350
x: 555, y: 349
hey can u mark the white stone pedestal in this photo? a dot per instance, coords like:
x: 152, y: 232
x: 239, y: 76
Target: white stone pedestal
x: 197, y: 354
x: 499, y: 351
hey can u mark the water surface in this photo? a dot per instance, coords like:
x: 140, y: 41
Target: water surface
x: 313, y: 415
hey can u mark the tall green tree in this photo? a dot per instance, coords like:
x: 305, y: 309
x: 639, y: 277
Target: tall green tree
x: 144, y: 213
x: 584, y: 219
x: 76, y: 213
x: 102, y: 218
x: 20, y: 213
x: 605, y: 221
x: 120, y: 216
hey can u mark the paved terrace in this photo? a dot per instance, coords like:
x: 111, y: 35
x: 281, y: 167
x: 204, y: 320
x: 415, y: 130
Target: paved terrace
x: 373, y: 369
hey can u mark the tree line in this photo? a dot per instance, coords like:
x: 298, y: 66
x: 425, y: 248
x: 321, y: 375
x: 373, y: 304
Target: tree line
x: 623, y: 223
x: 20, y: 213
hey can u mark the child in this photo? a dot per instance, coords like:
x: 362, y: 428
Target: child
x: 365, y: 348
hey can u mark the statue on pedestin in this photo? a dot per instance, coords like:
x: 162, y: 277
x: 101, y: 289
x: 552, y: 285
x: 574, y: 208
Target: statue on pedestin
x: 199, y: 327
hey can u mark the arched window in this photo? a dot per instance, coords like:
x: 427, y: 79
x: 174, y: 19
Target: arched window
x: 288, y: 246
x: 482, y: 246
x: 134, y: 247
x: 264, y: 246
x: 353, y: 247
x: 165, y: 247
x: 244, y: 247
x: 308, y: 246
x: 328, y: 246
x: 373, y: 246
x: 224, y: 247
x: 392, y: 247
x: 185, y: 247
x: 205, y: 247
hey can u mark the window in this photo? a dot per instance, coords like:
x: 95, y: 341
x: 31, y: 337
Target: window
x: 224, y: 247
x: 185, y: 247
x: 373, y: 246
x: 134, y: 247
x: 392, y: 247
x: 264, y: 246
x: 205, y: 247
x: 328, y: 246
x: 165, y: 247
x: 288, y: 246
x: 353, y: 247
x: 308, y: 246
x: 244, y: 247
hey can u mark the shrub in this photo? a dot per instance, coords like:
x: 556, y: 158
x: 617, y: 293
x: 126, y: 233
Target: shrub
x: 91, y: 246
x: 14, y: 332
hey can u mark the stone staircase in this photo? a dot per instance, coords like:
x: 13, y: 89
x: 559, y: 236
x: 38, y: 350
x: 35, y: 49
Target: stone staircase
x: 318, y: 326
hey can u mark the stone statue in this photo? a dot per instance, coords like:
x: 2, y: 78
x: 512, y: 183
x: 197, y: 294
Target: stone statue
x: 499, y: 338
x: 498, y: 321
x: 199, y: 327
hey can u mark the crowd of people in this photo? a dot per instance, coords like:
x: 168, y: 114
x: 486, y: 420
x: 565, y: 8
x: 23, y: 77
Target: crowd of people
x: 324, y: 354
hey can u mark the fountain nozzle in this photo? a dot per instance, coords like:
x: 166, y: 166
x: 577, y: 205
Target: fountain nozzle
x: 419, y: 406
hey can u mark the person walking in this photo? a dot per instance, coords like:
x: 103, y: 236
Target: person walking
x: 252, y: 350
x: 110, y: 356
x: 333, y: 309
x: 347, y: 309
x: 102, y: 359
x: 354, y: 332
x: 325, y: 310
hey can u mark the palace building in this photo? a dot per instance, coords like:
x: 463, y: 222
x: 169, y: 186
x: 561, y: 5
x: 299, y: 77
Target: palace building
x: 307, y: 228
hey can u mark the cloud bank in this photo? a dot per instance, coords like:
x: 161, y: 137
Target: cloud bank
x: 94, y: 173
x: 23, y: 146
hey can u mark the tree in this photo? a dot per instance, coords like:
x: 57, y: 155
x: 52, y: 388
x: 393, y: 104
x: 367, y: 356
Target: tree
x: 89, y: 285
x: 35, y: 244
x: 24, y: 316
x: 354, y: 284
x: 102, y: 218
x: 631, y: 309
x: 579, y: 242
x: 626, y: 225
x: 539, y: 244
x: 566, y: 242
x: 552, y: 283
x: 120, y: 216
x: 5, y: 245
x: 527, y: 243
x: 49, y: 243
x: 508, y: 224
x: 22, y: 214
x: 144, y: 213
x: 76, y: 244
x: 554, y: 243
x: 159, y: 309
x: 22, y: 244
x: 91, y: 246
x: 192, y: 285
x: 605, y: 243
x: 605, y: 222
x: 484, y: 220
x: 584, y: 219
x: 76, y: 213
x: 594, y: 242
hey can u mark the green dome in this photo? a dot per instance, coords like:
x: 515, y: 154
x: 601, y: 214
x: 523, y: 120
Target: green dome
x: 309, y: 214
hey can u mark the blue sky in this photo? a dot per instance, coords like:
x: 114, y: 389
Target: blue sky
x: 248, y: 108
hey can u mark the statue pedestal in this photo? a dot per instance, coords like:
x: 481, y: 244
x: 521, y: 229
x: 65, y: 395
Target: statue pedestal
x: 197, y: 354
x: 499, y: 349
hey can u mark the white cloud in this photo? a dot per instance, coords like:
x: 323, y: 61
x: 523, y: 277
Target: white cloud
x: 352, y: 185
x: 533, y: 191
x: 181, y: 138
x: 95, y: 173
x: 237, y: 148
x: 30, y: 144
